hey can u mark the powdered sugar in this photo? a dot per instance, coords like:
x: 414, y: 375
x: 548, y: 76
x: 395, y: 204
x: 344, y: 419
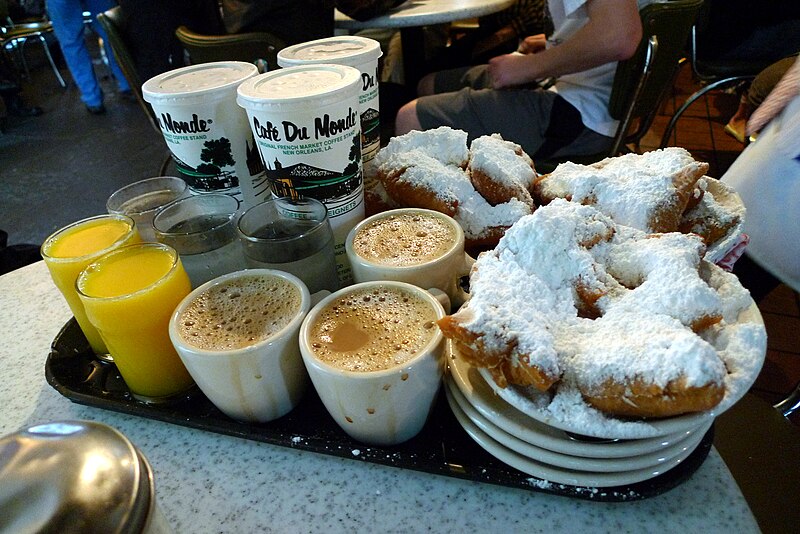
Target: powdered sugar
x: 741, y: 347
x: 654, y: 162
x: 434, y: 160
x: 503, y: 160
x: 632, y: 188
x: 523, y: 296
x: 656, y: 349
x: 449, y: 183
x: 722, y: 206
x: 664, y: 272
x: 446, y: 145
x: 476, y: 216
x: 627, y: 198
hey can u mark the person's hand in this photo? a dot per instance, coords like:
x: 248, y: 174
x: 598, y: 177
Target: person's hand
x: 510, y: 70
x: 532, y: 44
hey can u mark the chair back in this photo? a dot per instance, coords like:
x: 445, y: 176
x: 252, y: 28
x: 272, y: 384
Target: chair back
x: 114, y: 23
x: 710, y: 69
x: 260, y: 48
x: 713, y: 73
x: 15, y: 35
x: 642, y: 82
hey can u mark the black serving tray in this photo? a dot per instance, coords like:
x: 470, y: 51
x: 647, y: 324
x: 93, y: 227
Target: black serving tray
x: 442, y: 447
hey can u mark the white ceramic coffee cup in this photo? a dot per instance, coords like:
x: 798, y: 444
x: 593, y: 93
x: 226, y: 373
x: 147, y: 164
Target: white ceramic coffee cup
x: 383, y: 407
x: 257, y: 383
x: 441, y: 272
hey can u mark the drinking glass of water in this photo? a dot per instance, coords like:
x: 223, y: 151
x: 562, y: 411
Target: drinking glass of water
x: 294, y: 236
x: 202, y: 228
x: 141, y: 200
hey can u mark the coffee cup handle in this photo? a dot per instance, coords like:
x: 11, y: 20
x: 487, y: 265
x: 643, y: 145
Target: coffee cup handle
x: 460, y: 296
x: 317, y: 297
x: 442, y: 297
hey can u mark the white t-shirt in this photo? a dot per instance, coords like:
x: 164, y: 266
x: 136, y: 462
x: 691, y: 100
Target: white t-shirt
x: 589, y: 91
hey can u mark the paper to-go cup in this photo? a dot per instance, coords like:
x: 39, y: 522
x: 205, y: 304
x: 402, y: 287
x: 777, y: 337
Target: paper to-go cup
x: 306, y: 125
x: 206, y: 131
x: 359, y: 52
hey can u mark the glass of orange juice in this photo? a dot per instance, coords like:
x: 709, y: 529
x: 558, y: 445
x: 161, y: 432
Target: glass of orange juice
x: 69, y: 250
x: 129, y: 295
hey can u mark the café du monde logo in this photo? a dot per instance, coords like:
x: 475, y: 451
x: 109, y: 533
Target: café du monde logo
x: 215, y: 154
x: 302, y: 178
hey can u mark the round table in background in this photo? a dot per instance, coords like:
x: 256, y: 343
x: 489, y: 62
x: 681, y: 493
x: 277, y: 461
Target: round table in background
x: 410, y: 18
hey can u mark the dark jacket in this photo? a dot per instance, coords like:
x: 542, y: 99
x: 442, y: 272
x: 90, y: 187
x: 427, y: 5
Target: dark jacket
x: 366, y: 9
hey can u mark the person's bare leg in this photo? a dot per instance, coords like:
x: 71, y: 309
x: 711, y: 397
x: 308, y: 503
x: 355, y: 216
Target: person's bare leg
x: 736, y: 125
x: 425, y: 85
x: 407, y: 119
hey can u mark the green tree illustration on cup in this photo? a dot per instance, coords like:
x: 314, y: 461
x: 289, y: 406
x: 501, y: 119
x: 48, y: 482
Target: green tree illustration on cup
x: 215, y: 155
x: 354, y: 157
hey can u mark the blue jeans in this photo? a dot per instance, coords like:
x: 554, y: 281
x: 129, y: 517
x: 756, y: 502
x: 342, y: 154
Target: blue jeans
x: 67, y: 19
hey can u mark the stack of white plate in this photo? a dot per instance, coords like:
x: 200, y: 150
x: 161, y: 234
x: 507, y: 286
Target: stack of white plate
x: 511, y: 424
x: 562, y: 455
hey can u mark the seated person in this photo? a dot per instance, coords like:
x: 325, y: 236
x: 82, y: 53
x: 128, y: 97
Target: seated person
x: 294, y: 21
x: 756, y: 93
x: 150, y: 28
x: 570, y: 118
x: 767, y: 177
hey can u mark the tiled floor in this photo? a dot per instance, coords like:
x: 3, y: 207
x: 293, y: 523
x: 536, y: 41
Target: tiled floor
x: 62, y: 166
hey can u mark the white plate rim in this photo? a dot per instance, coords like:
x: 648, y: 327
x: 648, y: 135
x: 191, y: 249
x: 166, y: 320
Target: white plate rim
x: 503, y: 415
x: 555, y: 474
x: 576, y: 463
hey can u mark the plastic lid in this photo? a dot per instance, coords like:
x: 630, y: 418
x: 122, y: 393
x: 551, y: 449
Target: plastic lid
x: 71, y: 476
x: 342, y: 50
x: 195, y: 84
x: 303, y: 87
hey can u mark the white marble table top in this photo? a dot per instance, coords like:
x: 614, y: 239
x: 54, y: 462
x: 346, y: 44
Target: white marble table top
x: 425, y: 12
x: 208, y: 482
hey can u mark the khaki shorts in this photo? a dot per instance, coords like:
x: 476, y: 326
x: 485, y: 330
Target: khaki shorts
x: 543, y: 123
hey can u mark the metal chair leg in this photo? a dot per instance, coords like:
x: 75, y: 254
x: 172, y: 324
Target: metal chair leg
x: 47, y: 53
x: 790, y: 404
x: 691, y: 100
x: 18, y: 45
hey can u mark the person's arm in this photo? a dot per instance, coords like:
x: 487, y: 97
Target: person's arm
x: 613, y: 32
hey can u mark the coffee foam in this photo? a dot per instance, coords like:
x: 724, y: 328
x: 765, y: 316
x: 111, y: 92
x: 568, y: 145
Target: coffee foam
x: 404, y: 239
x: 239, y: 313
x: 373, y: 329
